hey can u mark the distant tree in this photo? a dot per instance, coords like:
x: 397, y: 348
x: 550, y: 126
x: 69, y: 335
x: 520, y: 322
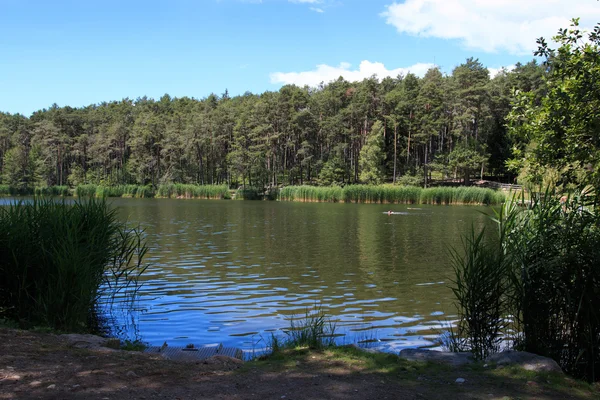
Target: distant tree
x: 372, y: 157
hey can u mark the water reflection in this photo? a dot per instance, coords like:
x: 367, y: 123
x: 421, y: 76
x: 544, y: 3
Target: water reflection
x: 231, y: 271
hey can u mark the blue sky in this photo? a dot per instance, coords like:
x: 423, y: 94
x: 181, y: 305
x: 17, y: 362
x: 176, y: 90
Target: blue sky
x: 82, y: 52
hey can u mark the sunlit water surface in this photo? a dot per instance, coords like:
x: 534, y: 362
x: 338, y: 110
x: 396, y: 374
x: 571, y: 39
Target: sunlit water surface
x: 233, y: 272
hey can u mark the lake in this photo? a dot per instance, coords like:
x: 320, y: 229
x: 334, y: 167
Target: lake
x: 232, y: 272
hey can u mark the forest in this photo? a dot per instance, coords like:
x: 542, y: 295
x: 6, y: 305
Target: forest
x: 404, y: 130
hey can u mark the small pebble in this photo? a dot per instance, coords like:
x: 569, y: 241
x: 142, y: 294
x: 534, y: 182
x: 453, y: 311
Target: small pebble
x: 460, y: 380
x: 53, y: 386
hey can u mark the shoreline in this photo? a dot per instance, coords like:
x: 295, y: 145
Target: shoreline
x: 44, y: 366
x: 353, y: 194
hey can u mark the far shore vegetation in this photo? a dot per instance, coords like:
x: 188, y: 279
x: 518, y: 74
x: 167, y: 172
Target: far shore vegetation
x: 380, y: 194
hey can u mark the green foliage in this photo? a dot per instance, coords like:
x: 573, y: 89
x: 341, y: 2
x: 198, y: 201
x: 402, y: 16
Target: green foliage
x: 314, y: 330
x: 249, y: 193
x: 543, y: 275
x: 382, y: 194
x: 411, y: 180
x: 466, y: 160
x: 479, y: 287
x: 193, y: 191
x: 133, y: 345
x: 58, y: 260
x: 86, y: 191
x: 53, y: 191
x: 461, y: 195
x: 391, y: 194
x: 556, y: 139
x: 372, y: 157
x: 341, y: 133
x: 331, y: 194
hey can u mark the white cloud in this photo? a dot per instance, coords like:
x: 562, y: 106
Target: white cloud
x: 317, y: 9
x: 326, y: 73
x: 490, y: 25
x: 496, y: 71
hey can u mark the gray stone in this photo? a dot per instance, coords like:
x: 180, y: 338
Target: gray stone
x: 460, y: 380
x: 454, y: 359
x: 85, y: 341
x: 527, y: 361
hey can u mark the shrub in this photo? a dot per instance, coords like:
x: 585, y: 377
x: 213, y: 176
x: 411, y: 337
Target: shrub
x: 57, y: 260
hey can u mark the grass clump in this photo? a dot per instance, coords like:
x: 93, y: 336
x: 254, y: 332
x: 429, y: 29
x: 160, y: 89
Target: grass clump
x: 58, y: 260
x: 314, y: 330
x: 183, y: 191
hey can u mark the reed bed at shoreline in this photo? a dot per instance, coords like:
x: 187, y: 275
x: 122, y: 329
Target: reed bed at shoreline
x: 182, y: 191
x: 168, y: 191
x: 390, y: 194
x: 382, y: 194
x: 62, y: 191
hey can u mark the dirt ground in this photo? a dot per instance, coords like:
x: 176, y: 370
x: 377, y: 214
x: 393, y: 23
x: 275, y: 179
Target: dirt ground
x: 43, y: 366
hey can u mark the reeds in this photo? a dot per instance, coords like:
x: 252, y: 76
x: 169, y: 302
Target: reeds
x: 479, y: 287
x: 53, y: 191
x: 391, y: 194
x: 461, y: 195
x: 329, y: 194
x: 58, y: 260
x: 314, y: 330
x: 543, y: 276
x: 182, y: 191
x: 173, y: 190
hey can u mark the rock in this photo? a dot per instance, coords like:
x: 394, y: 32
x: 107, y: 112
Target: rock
x: 527, y: 361
x: 365, y: 349
x: 454, y: 359
x: 460, y: 380
x: 85, y: 341
x: 53, y: 386
x: 224, y: 362
x: 131, y: 374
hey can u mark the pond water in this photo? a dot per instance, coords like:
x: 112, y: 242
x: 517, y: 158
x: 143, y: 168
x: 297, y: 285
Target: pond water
x: 231, y: 272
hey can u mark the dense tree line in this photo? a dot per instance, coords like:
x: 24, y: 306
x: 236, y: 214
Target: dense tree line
x: 406, y: 129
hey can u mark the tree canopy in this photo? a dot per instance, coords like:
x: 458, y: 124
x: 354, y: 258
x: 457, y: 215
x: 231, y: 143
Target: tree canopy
x: 342, y: 132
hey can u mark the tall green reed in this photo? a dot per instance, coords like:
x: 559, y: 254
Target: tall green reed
x: 543, y: 275
x: 179, y: 190
x: 392, y: 194
x: 314, y: 330
x: 59, y: 259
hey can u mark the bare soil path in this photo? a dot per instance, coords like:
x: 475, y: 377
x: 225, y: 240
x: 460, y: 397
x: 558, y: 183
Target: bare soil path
x: 44, y: 366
